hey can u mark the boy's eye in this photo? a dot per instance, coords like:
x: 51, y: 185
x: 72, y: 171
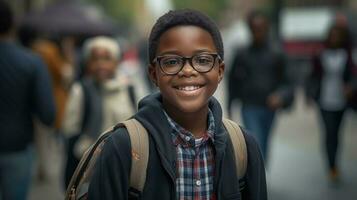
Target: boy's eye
x: 170, y: 61
x: 203, y: 60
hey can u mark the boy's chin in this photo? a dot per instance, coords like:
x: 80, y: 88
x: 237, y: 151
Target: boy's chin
x: 191, y: 107
x: 186, y: 106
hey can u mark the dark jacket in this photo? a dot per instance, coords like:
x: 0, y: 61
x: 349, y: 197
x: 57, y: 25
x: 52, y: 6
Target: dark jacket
x: 313, y: 83
x: 256, y: 73
x: 25, y: 92
x: 111, y: 175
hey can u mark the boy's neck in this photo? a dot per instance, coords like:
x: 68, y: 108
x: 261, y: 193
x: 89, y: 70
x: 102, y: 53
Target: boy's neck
x: 195, y: 122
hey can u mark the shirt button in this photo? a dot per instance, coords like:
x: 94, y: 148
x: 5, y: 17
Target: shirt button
x: 198, y: 183
x: 187, y: 138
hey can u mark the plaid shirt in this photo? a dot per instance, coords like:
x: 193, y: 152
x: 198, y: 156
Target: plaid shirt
x: 195, y: 162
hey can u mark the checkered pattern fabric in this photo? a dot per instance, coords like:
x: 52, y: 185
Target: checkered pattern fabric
x: 195, y: 162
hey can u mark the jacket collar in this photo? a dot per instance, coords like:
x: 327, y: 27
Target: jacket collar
x: 151, y: 115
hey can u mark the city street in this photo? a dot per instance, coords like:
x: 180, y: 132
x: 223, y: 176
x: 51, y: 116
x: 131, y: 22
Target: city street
x: 71, y: 69
x: 296, y: 168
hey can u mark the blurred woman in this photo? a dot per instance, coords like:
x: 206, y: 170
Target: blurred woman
x: 330, y: 85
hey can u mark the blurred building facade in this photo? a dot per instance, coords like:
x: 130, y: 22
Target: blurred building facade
x: 311, y: 3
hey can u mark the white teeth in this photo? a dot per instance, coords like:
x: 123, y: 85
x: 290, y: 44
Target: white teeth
x: 189, y: 88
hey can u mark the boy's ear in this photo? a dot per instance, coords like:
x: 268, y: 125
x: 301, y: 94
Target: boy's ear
x: 221, y: 69
x: 152, y: 74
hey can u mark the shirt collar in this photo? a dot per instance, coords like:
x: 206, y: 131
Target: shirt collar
x: 181, y: 135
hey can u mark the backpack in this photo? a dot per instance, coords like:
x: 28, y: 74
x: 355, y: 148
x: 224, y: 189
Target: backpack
x: 79, y: 184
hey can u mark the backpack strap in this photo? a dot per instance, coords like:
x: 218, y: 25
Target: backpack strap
x: 239, y: 146
x: 78, y: 186
x: 139, y: 140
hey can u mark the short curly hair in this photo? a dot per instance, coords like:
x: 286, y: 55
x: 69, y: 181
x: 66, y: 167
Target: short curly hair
x: 183, y: 17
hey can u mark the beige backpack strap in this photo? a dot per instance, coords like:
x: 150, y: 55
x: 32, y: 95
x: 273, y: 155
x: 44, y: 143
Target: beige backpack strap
x: 140, y: 153
x: 239, y: 146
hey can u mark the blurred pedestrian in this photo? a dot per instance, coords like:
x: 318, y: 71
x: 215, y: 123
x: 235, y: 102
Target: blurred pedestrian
x: 61, y: 74
x: 25, y: 94
x: 100, y: 100
x: 331, y: 85
x: 258, y: 77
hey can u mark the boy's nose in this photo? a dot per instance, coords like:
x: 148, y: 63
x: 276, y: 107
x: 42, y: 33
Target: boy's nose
x: 187, y: 69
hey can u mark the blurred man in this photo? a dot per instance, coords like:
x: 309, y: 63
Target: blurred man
x: 258, y: 79
x: 25, y: 92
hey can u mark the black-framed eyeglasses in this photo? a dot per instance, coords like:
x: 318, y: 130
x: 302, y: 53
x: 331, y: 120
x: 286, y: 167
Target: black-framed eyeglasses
x: 173, y: 64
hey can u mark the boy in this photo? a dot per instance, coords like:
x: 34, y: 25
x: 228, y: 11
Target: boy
x: 191, y: 156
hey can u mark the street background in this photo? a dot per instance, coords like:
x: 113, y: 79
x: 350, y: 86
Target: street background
x: 297, y: 167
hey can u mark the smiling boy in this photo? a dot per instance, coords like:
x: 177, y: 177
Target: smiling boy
x: 190, y: 153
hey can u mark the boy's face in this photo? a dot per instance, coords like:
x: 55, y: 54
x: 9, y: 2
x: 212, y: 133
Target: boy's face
x: 187, y: 91
x: 101, y: 64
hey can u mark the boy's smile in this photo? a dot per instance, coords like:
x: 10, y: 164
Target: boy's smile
x: 188, y: 91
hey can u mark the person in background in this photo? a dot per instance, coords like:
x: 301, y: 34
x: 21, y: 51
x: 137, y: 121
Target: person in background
x: 25, y: 95
x: 100, y: 100
x: 330, y: 86
x: 61, y: 74
x: 258, y: 78
x: 60, y: 71
x: 341, y: 21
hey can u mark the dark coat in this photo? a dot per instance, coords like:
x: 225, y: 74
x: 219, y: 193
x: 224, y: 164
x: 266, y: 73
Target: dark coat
x: 25, y: 93
x: 111, y: 175
x: 256, y: 73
